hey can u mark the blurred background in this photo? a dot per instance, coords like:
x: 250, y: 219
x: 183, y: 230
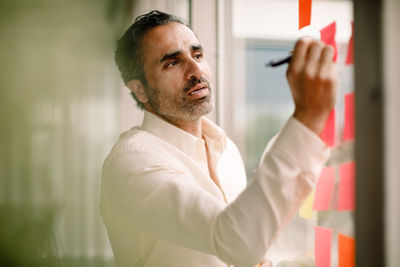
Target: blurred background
x: 59, y: 118
x: 63, y: 106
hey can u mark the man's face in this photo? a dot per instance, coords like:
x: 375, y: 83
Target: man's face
x: 177, y: 73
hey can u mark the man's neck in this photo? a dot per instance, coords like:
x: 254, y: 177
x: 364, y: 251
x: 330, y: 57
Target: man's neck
x: 192, y: 127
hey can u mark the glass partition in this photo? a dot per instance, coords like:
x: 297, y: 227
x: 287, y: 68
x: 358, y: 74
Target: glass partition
x: 255, y: 102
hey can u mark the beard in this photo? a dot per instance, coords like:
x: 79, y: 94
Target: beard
x: 178, y: 105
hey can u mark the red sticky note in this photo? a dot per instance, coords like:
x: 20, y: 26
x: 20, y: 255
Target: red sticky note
x: 328, y: 37
x: 348, y: 131
x: 324, y: 189
x: 328, y: 134
x: 304, y: 13
x: 346, y: 199
x: 346, y: 247
x: 322, y: 246
x: 350, y: 47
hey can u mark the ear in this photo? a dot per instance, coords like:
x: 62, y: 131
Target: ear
x: 136, y: 86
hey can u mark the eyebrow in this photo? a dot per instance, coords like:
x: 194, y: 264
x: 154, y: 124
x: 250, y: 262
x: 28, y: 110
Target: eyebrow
x: 197, y: 48
x: 169, y: 56
x: 176, y: 53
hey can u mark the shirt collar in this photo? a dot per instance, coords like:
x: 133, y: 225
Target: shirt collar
x: 181, y: 139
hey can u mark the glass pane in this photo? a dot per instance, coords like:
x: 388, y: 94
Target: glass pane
x: 257, y: 100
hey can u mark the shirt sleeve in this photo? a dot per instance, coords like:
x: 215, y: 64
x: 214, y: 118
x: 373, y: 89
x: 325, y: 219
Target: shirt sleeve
x: 142, y: 190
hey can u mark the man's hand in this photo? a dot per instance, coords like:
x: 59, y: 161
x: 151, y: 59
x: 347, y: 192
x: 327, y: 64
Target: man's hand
x: 312, y: 78
x: 264, y: 263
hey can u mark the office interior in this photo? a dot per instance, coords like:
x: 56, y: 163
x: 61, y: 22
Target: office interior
x: 63, y: 106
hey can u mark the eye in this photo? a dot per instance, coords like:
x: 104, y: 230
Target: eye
x: 198, y: 55
x: 171, y: 63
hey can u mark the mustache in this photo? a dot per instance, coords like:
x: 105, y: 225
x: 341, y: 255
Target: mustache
x: 195, y: 81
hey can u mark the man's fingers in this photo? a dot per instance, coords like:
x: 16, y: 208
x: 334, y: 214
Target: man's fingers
x: 266, y: 263
x: 299, y: 55
x: 327, y: 70
x: 313, y: 59
x: 327, y: 54
x: 314, y: 52
x: 327, y: 78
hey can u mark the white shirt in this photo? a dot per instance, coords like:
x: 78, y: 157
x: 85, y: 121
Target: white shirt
x: 161, y: 208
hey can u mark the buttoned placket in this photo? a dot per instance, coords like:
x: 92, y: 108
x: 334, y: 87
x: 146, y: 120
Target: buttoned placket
x: 200, y: 155
x: 212, y: 172
x: 207, y: 144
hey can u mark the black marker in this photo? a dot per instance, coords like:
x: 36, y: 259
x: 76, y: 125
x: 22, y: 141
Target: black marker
x: 279, y: 62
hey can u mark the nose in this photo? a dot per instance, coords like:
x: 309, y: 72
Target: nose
x: 194, y: 69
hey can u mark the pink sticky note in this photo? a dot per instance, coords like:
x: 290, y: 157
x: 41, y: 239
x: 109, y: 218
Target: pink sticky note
x: 347, y: 186
x: 328, y: 134
x: 348, y: 131
x: 304, y: 13
x: 350, y: 48
x: 324, y: 189
x: 328, y: 37
x: 322, y: 246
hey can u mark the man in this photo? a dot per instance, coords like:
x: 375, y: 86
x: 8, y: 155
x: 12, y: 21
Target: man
x: 173, y: 189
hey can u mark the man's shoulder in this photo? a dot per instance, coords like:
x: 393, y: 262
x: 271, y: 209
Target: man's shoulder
x: 136, y: 139
x: 138, y: 149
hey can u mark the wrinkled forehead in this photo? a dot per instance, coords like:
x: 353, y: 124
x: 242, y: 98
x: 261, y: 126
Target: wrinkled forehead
x: 165, y: 39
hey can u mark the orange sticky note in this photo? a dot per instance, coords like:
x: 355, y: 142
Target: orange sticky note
x: 304, y: 13
x: 346, y: 247
x: 322, y: 246
x: 350, y: 47
x: 324, y: 188
x: 348, y: 131
x: 347, y: 186
x: 328, y: 134
x: 328, y: 37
